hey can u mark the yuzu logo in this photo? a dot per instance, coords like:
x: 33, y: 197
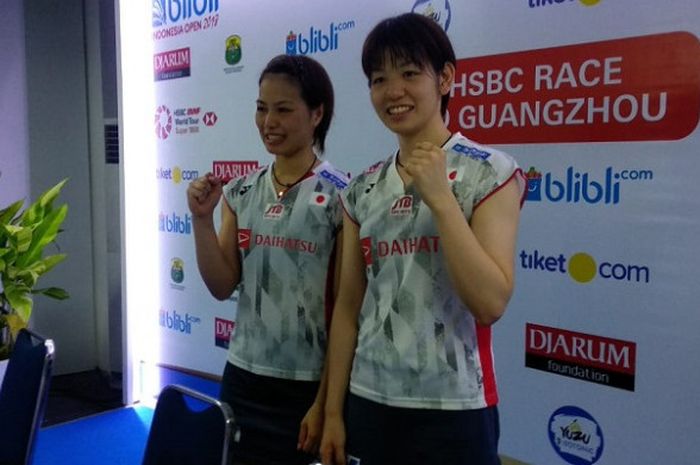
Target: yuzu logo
x: 583, y: 268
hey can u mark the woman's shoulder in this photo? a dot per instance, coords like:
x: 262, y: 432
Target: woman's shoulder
x: 332, y: 176
x: 465, y: 150
x: 238, y: 186
x: 374, y: 172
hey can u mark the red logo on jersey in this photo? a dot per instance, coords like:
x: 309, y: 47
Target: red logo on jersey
x: 244, y: 238
x: 452, y: 176
x: 274, y: 211
x: 402, y: 206
x: 366, y: 244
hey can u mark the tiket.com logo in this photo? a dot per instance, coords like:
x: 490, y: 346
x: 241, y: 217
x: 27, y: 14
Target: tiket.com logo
x: 538, y: 3
x: 176, y: 174
x: 582, y: 187
x: 583, y: 268
x: 175, y: 224
x: 177, y: 322
x: 163, y: 122
x: 596, y: 359
x: 222, y: 332
x: 317, y: 40
x: 437, y: 10
x: 576, y: 436
x: 228, y: 170
x: 172, y: 64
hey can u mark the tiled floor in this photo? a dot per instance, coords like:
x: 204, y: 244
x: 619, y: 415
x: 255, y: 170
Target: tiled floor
x: 81, y: 394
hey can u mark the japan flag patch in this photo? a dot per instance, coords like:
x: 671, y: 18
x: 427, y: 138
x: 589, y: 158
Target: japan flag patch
x: 320, y: 199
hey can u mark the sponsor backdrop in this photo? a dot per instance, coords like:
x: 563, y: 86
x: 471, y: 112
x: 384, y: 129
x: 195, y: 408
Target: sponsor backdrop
x: 599, y: 102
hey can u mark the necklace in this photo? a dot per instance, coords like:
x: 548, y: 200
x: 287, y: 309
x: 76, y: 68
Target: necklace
x: 287, y: 186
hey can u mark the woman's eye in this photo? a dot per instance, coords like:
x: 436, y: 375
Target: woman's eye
x: 376, y: 80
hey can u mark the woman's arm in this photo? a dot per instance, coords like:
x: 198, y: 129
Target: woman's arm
x: 217, y: 256
x: 312, y: 423
x: 342, y: 342
x: 479, y: 256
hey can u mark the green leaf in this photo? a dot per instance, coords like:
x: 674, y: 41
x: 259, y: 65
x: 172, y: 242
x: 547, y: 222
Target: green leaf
x: 44, y: 234
x: 20, y: 300
x: 36, y: 212
x: 19, y: 236
x: 52, y: 260
x: 53, y: 292
x: 8, y: 214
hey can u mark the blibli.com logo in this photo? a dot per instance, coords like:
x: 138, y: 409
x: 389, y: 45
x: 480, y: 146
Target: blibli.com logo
x: 168, y: 12
x: 582, y: 187
x: 583, y: 268
x: 576, y: 436
x: 177, y: 322
x: 316, y: 40
x: 175, y: 223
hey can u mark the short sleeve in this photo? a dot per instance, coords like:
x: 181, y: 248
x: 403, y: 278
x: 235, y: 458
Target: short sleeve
x: 495, y: 172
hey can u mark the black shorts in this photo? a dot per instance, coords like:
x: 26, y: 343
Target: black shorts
x: 381, y: 435
x: 268, y: 412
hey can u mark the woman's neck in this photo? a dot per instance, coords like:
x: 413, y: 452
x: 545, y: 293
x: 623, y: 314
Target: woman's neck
x: 289, y: 168
x: 437, y: 136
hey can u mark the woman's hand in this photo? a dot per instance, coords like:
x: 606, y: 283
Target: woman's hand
x: 333, y: 442
x: 311, y: 429
x: 426, y: 166
x: 203, y: 195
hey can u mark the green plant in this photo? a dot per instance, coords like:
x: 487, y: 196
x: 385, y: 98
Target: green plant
x: 24, y: 234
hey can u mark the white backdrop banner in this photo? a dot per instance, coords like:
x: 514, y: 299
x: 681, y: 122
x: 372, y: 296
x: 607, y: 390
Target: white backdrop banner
x: 599, y: 102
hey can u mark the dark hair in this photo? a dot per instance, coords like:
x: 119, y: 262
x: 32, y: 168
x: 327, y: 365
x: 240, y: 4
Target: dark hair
x: 409, y: 37
x: 314, y: 85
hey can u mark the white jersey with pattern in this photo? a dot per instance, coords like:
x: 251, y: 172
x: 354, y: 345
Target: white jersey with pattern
x: 418, y: 345
x: 285, y: 248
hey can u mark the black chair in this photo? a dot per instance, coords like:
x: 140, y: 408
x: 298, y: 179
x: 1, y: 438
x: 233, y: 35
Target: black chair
x: 23, y: 396
x: 183, y: 435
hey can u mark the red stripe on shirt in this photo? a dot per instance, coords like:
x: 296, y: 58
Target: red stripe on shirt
x: 483, y: 340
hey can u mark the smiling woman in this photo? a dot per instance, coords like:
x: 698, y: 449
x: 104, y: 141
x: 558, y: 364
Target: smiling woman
x: 275, y: 245
x: 428, y: 248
